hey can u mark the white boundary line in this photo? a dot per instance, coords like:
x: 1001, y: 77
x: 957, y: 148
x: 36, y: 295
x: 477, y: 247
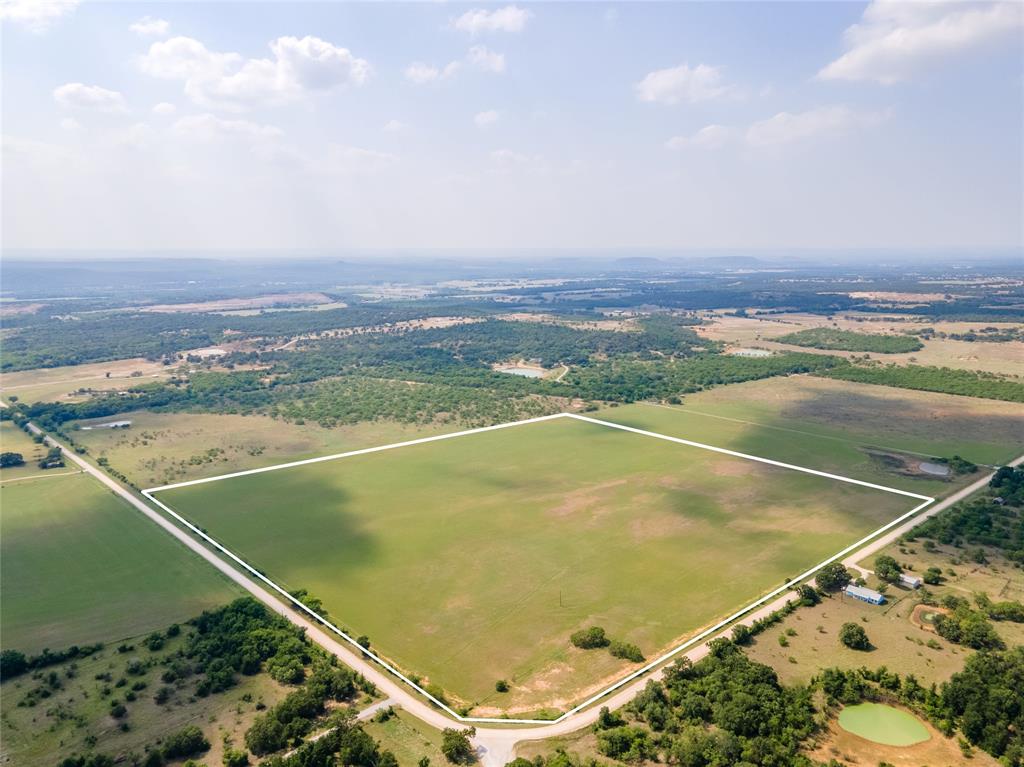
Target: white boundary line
x: 926, y: 501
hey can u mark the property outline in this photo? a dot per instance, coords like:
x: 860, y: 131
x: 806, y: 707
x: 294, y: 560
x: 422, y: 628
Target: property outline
x: 648, y: 667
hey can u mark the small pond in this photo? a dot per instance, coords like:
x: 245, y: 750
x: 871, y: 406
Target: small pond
x: 519, y: 370
x: 935, y: 469
x: 883, y: 724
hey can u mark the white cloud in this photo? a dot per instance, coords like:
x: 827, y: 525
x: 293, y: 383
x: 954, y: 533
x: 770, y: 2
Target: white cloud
x: 786, y: 127
x: 164, y: 108
x: 37, y: 15
x: 479, y: 57
x: 351, y: 159
x: 82, y: 96
x: 70, y: 124
x: 207, y: 127
x: 895, y: 39
x: 508, y: 19
x: 782, y: 128
x: 488, y: 61
x: 227, y: 80
x: 483, y: 119
x: 682, y: 83
x: 395, y: 126
x: 150, y: 27
x: 421, y: 73
x: 709, y: 137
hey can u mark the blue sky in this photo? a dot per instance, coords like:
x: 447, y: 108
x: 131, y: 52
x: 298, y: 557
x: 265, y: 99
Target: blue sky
x: 447, y: 125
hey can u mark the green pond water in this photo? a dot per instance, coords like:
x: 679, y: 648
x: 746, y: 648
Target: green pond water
x: 883, y: 724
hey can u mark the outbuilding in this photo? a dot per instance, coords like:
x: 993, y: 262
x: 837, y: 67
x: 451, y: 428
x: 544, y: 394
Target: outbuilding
x: 910, y: 581
x: 864, y: 594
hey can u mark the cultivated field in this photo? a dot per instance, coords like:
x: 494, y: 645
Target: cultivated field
x: 856, y: 430
x: 473, y: 559
x: 80, y: 566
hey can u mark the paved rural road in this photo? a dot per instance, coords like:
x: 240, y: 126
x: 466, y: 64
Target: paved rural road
x: 495, y: 746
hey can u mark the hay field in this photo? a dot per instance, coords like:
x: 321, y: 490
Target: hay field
x: 473, y: 559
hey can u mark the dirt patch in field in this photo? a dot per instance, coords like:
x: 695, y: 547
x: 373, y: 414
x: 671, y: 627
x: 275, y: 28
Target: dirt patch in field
x: 584, y: 499
x: 646, y: 529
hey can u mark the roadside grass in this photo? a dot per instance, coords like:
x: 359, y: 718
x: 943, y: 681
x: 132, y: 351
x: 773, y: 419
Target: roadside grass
x: 80, y: 566
x: 68, y: 720
x: 14, y: 440
x: 473, y: 559
x: 830, y: 426
x: 407, y: 738
x: 160, y: 448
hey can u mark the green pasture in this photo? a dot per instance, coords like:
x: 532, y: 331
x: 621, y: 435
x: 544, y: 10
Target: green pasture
x: 831, y: 426
x: 473, y: 559
x: 80, y: 566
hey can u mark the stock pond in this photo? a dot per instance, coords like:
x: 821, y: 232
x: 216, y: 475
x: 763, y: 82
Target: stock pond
x: 883, y: 724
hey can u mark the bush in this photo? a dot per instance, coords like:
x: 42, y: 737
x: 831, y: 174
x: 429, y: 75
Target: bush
x: 854, y: 636
x: 187, y: 742
x: 590, y: 638
x: 234, y: 757
x: 626, y: 651
x: 501, y: 686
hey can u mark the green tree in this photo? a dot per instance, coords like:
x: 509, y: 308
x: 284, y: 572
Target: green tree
x: 888, y: 569
x: 854, y: 636
x: 11, y: 459
x: 456, y: 745
x: 189, y: 741
x: 833, y: 577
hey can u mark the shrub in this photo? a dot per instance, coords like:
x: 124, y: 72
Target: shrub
x: 186, y: 742
x: 501, y: 686
x: 626, y: 651
x: 590, y: 638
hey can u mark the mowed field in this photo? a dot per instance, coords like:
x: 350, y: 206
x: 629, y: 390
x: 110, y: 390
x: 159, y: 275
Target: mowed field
x: 80, y: 566
x: 473, y: 559
x: 841, y: 427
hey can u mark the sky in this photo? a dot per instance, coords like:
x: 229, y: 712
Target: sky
x: 169, y: 126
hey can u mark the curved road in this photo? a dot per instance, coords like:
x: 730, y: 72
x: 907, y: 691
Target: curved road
x: 495, y: 745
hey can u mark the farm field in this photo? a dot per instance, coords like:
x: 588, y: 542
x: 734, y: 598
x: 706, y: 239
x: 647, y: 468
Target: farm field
x: 1007, y: 357
x: 60, y: 383
x: 160, y: 448
x: 14, y: 440
x: 856, y: 430
x: 489, y: 550
x: 81, y: 566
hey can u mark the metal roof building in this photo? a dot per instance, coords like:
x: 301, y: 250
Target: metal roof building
x: 864, y: 594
